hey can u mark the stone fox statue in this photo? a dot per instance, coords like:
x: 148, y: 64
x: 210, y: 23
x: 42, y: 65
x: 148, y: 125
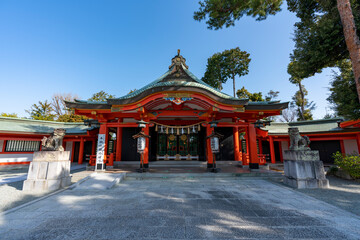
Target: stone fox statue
x: 54, y: 142
x: 297, y: 142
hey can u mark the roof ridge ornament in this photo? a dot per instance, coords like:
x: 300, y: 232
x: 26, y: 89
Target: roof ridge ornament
x: 177, y: 61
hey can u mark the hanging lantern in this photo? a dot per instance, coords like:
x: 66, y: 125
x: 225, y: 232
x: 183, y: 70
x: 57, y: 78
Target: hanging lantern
x: 214, y: 142
x: 142, y: 123
x: 141, y: 143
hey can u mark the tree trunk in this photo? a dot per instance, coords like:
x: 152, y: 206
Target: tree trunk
x: 302, y: 102
x: 351, y: 38
x: 234, y: 83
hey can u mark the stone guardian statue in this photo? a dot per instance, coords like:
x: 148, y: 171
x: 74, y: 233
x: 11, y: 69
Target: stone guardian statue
x: 302, y: 166
x: 54, y: 141
x: 50, y: 168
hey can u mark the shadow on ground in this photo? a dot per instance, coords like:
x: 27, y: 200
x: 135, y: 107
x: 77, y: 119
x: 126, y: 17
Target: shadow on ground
x: 169, y: 209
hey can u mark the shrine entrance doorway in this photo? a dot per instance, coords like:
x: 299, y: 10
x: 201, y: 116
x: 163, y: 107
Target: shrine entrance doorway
x: 178, y: 147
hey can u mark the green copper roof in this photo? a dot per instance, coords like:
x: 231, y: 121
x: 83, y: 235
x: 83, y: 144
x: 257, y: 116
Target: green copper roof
x: 36, y: 126
x: 305, y: 127
x: 178, y: 78
x: 195, y: 83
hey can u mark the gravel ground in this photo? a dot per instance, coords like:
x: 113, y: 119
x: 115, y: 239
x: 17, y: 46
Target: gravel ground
x: 11, y: 194
x: 342, y: 193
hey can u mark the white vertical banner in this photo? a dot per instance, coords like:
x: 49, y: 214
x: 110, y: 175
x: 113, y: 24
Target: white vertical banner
x: 100, y: 151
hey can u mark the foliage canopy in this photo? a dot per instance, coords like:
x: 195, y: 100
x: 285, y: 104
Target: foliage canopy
x: 225, y: 12
x: 42, y: 111
x: 226, y: 65
x: 100, y: 96
x: 13, y: 115
x: 343, y: 97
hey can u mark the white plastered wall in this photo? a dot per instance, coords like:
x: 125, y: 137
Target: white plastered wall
x: 350, y: 146
x: 16, y: 157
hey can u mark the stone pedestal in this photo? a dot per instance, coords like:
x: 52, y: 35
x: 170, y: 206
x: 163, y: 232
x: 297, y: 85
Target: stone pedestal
x: 303, y: 169
x: 49, y: 170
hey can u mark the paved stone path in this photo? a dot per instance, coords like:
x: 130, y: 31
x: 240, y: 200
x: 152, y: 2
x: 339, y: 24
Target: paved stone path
x: 11, y: 194
x: 181, y: 209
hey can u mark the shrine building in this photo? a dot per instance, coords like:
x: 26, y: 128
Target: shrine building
x: 180, y: 112
x: 179, y: 109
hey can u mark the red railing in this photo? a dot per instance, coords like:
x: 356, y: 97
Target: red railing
x: 108, y: 160
x: 246, y: 159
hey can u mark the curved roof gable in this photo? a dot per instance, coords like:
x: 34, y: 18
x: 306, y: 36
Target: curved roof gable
x: 177, y: 79
x: 178, y: 76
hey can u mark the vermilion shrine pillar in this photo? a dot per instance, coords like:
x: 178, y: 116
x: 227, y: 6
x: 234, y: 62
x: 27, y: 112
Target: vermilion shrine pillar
x: 272, y: 151
x: 118, y: 143
x: 253, y: 154
x: 236, y: 144
x: 81, y: 151
x: 358, y: 142
x: 146, y: 151
x: 209, y: 154
x: 260, y: 146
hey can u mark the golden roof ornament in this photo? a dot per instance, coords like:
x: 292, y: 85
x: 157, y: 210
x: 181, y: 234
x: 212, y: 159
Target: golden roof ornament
x: 178, y: 60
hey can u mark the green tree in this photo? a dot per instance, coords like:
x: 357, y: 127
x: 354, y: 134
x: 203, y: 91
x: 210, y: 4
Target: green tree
x: 13, y: 115
x: 226, y: 65
x: 326, y: 33
x: 257, y: 96
x: 271, y: 95
x: 214, y: 76
x: 100, y: 96
x: 253, y: 97
x: 302, y: 104
x: 320, y: 39
x: 42, y: 111
x: 343, y: 96
x: 226, y: 12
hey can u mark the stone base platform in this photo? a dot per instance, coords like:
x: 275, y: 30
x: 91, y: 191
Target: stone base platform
x: 306, y: 183
x: 49, y: 170
x: 303, y: 169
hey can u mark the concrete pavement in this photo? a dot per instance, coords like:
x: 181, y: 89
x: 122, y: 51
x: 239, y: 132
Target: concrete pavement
x: 196, y: 208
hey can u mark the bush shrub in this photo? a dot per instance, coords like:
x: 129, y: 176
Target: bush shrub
x: 349, y: 163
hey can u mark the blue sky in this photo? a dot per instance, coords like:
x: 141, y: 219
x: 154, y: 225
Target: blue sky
x: 82, y: 47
